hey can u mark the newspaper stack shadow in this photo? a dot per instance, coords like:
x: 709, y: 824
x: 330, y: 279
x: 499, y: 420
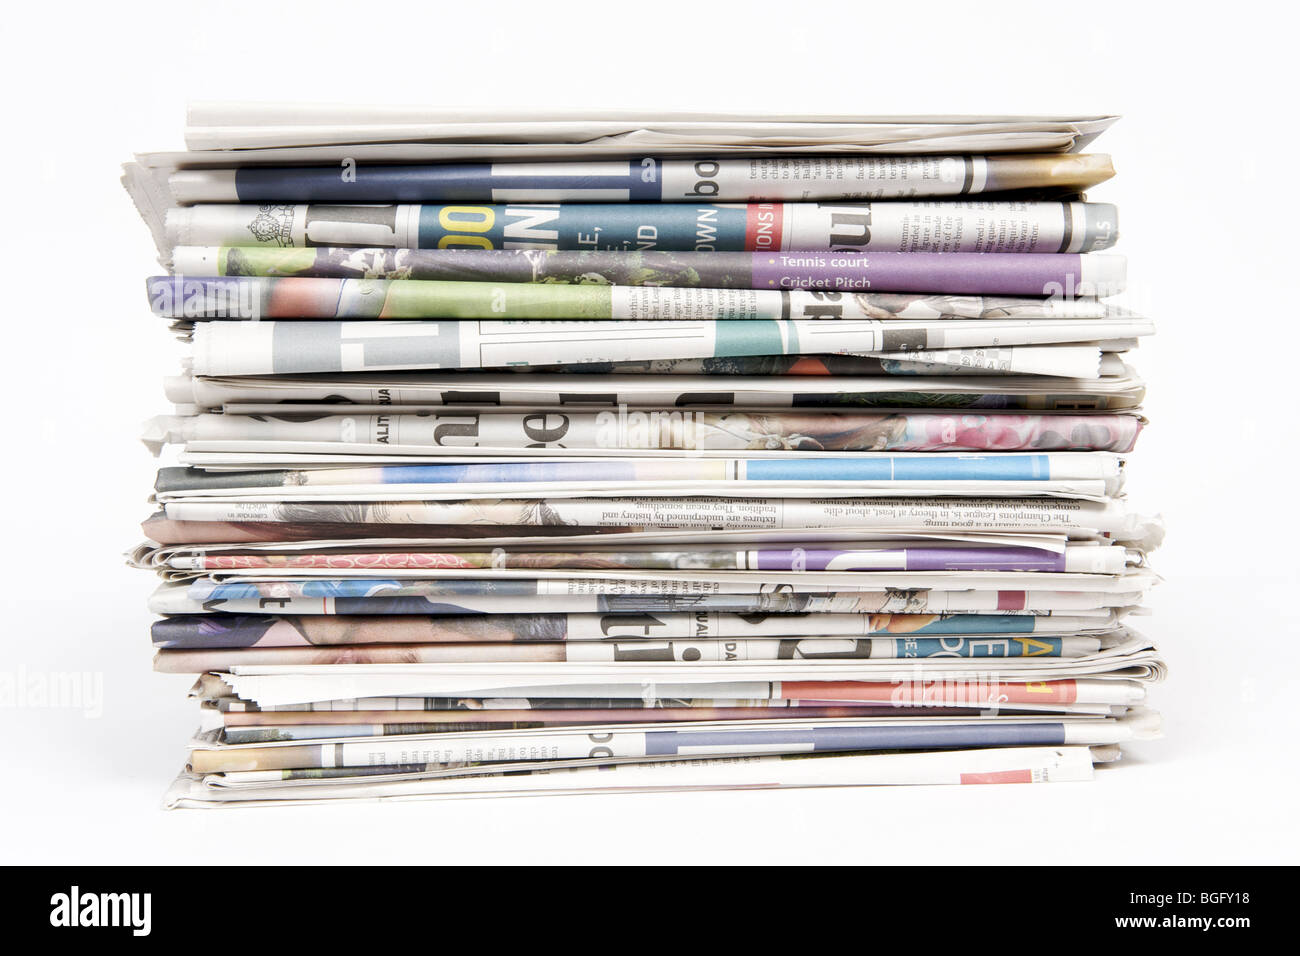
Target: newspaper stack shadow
x: 582, y: 453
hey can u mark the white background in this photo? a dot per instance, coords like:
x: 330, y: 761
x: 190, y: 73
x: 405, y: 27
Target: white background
x: 1207, y: 159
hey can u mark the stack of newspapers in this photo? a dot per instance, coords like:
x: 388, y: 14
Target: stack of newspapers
x: 598, y: 451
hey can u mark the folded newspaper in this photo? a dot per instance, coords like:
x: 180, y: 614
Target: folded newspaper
x: 613, y: 452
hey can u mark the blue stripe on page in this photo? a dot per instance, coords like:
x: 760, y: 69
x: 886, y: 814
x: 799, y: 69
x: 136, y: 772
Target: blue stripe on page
x: 944, y: 468
x: 508, y: 471
x: 878, y: 737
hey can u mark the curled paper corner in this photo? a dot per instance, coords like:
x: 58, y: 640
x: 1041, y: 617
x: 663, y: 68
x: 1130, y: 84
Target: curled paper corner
x: 185, y: 786
x: 1083, y: 137
x: 152, y: 197
x: 1156, y: 534
x: 158, y: 432
x: 1144, y: 533
x: 1145, y: 724
x: 141, y: 556
x: 1106, y: 753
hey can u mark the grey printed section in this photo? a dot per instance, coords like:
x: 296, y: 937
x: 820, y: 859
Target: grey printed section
x: 428, y: 351
x: 306, y: 347
x: 325, y: 347
x: 904, y: 340
x: 1101, y: 229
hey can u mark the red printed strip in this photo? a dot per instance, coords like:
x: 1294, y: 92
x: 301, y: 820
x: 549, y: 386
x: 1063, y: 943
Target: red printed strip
x: 999, y: 776
x: 938, y: 693
x: 1011, y: 600
x: 763, y: 222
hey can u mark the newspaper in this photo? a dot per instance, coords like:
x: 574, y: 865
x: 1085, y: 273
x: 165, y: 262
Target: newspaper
x: 503, y: 447
x: 1081, y: 475
x: 798, y: 716
x: 983, y: 766
x: 288, y: 347
x: 605, y: 589
x: 568, y: 430
x: 645, y: 180
x: 640, y: 180
x: 1109, y: 678
x: 1081, y: 363
x: 1117, y: 388
x: 1083, y: 490
x: 690, y: 739
x: 989, y: 635
x: 235, y: 455
x: 440, y: 591
x: 867, y: 468
x: 221, y: 125
x: 1109, y: 694
x: 194, y: 624
x: 1140, y: 532
x: 152, y: 557
x: 1086, y: 557
x: 970, y: 514
x: 505, y: 521
x: 213, y: 609
x: 186, y: 661
x: 219, y: 709
x: 263, y: 726
x: 897, y: 226
x: 936, y: 279
x: 261, y: 297
x: 287, y: 724
x: 963, y: 363
x: 803, y: 158
x: 992, y: 514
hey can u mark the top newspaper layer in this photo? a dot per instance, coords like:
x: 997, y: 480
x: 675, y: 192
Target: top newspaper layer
x: 644, y: 179
x: 248, y: 153
x: 629, y: 156
x: 234, y: 125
